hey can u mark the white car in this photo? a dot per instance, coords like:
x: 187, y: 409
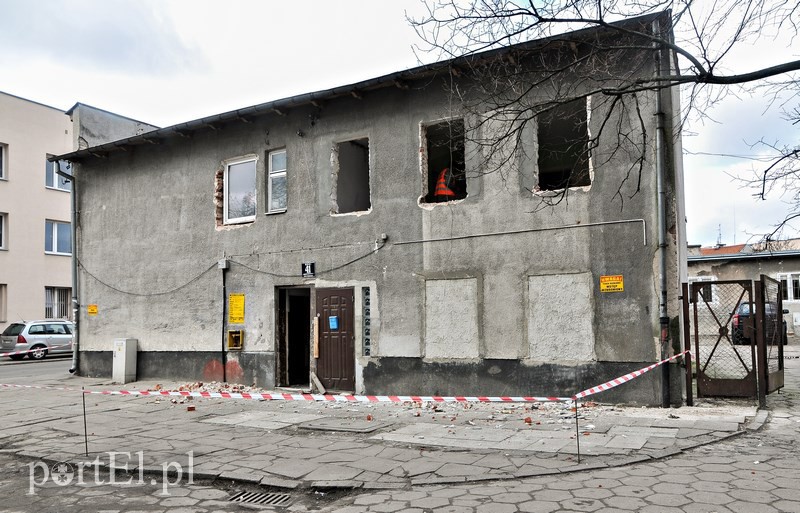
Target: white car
x: 39, y: 338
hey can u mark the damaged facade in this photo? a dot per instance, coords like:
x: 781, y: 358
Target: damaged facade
x: 366, y: 235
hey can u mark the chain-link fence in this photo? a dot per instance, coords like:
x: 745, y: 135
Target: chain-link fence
x: 723, y: 331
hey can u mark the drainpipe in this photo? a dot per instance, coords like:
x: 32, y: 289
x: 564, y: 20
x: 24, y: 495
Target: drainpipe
x: 662, y: 231
x: 73, y: 196
x: 223, y: 265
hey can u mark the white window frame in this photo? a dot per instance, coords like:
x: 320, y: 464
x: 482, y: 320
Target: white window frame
x: 54, y: 235
x: 3, y: 230
x: 226, y: 182
x: 3, y: 161
x: 789, y: 297
x: 705, y: 279
x: 51, y: 168
x: 272, y: 174
x: 57, y: 303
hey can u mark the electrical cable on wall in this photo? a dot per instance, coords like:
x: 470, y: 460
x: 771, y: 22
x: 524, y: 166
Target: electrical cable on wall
x: 341, y: 266
x: 149, y: 294
x: 213, y: 265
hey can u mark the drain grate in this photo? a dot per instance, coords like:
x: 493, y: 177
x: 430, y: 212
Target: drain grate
x: 265, y: 499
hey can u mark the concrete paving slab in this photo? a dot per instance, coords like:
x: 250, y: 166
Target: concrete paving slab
x: 626, y: 442
x: 643, y: 431
x: 344, y: 425
x: 262, y: 419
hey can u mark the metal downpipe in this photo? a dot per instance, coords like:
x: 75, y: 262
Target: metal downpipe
x: 662, y: 232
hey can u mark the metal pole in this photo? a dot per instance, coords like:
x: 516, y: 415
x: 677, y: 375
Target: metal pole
x: 577, y: 431
x: 85, y: 431
x: 687, y: 341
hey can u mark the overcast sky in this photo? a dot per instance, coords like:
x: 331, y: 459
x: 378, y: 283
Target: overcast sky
x: 169, y: 61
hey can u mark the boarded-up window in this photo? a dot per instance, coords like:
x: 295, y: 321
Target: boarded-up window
x: 352, y: 176
x: 444, y: 151
x: 563, y: 139
x: 451, y: 318
x: 561, y: 318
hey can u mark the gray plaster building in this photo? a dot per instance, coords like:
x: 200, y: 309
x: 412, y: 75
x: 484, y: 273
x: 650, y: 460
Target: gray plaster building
x: 388, y: 237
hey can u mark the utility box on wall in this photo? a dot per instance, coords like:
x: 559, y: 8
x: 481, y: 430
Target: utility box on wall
x: 235, y: 339
x: 124, y: 360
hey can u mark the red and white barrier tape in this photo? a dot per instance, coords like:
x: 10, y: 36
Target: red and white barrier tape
x: 306, y: 397
x: 32, y: 350
x: 336, y: 398
x: 623, y: 379
x: 364, y: 398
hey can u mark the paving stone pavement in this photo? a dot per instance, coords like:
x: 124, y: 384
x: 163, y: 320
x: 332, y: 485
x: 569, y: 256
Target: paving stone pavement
x: 756, y: 472
x: 307, y: 444
x: 437, y: 457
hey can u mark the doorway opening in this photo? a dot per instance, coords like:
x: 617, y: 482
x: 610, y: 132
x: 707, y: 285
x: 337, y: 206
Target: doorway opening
x: 294, y: 337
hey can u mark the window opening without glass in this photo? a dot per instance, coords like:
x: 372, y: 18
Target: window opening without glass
x: 276, y: 182
x: 52, y: 179
x: 240, y: 191
x: 57, y: 238
x: 563, y: 138
x: 352, y: 176
x: 446, y: 170
x: 57, y: 302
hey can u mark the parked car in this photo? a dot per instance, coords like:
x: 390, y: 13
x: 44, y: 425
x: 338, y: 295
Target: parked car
x: 742, y: 324
x: 50, y: 336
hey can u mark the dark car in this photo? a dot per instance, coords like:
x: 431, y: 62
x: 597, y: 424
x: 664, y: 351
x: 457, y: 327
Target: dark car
x: 742, y: 324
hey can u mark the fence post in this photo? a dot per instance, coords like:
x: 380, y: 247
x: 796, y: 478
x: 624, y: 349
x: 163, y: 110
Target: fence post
x: 761, y: 349
x: 687, y: 344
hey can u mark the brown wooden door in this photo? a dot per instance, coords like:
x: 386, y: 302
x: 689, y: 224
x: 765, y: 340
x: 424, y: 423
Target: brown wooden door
x: 336, y: 363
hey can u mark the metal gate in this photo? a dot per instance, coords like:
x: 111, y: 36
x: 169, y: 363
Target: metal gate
x: 723, y: 339
x: 737, y: 333
x: 773, y: 335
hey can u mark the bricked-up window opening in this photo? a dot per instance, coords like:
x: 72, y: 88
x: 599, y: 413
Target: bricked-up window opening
x: 563, y: 147
x: 240, y: 191
x: 352, y: 176
x: 446, y: 171
x: 57, y: 303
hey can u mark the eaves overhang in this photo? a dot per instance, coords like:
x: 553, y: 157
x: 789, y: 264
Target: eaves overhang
x: 762, y: 255
x: 398, y: 79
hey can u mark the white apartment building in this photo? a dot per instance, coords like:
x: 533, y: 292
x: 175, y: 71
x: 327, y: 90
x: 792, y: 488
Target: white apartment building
x: 35, y: 234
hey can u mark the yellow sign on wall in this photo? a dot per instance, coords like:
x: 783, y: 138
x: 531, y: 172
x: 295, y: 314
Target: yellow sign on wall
x: 236, y: 309
x: 612, y: 283
x: 91, y: 309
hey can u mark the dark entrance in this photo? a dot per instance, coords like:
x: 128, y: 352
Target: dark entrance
x: 294, y: 337
x: 336, y: 362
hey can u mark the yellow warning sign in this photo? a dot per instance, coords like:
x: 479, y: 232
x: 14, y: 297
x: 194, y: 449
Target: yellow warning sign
x: 91, y: 309
x: 612, y: 283
x: 236, y: 309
